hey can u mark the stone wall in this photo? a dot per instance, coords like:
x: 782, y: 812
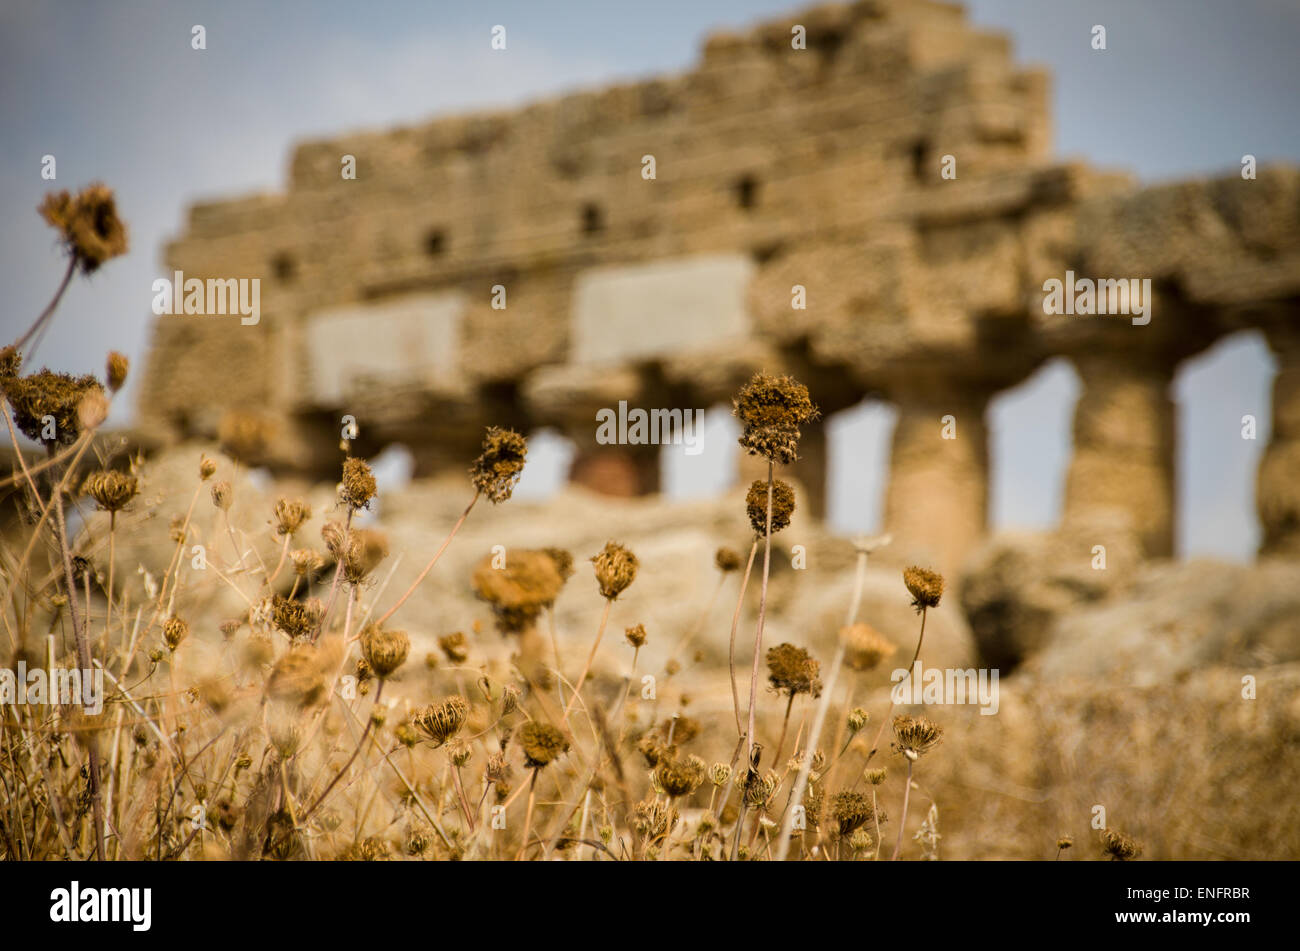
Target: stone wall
x: 774, y: 167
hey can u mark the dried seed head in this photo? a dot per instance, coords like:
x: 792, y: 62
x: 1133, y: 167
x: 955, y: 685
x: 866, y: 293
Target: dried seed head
x: 358, y: 486
x: 875, y: 777
x: 110, y: 489
x: 728, y: 559
x: 46, y: 398
x: 1118, y: 846
x: 915, y: 736
x: 861, y: 841
x: 207, y: 468
x: 496, y: 472
x: 175, y: 630
x: 636, y: 636
x: 88, y: 224
x: 792, y: 670
x: 563, y: 561
x: 297, y: 678
x: 530, y: 582
x: 92, y: 410
x: 1064, y: 842
x: 229, y: 626
x: 116, y: 371
x: 680, y: 777
x: 926, y: 587
x: 455, y: 646
x: 864, y: 646
x: 616, y: 568
x: 289, y: 515
x: 771, y: 409
x: 851, y: 810
x: 858, y: 719
x: 384, y: 650
x: 542, y: 743
x: 459, y: 753
x: 441, y: 721
x: 759, y: 790
x: 756, y: 505
x: 296, y: 618
x: 223, y: 496
x: 719, y: 774
x: 306, y: 562
x: 366, y: 548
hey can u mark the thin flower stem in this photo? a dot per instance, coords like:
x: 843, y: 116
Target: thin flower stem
x: 735, y: 623
x: 432, y: 561
x: 902, y: 821
x: 762, y: 609
x: 586, y: 669
x: 51, y: 306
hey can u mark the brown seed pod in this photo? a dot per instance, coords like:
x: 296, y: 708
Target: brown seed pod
x: 110, y: 489
x: 793, y: 671
x: 384, y: 650
x: 358, y: 486
x: 771, y: 409
x: 88, y: 223
x: 496, y: 471
x: 542, y: 743
x: 616, y: 568
x: 782, y: 505
x: 926, y: 587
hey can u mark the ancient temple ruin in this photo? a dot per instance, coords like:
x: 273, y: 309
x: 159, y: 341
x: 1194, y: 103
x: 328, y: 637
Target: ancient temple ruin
x: 651, y: 241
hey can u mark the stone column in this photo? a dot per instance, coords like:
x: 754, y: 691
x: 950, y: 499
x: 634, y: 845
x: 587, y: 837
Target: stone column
x: 936, y: 502
x: 1277, y: 490
x: 1122, y: 472
x: 618, y: 470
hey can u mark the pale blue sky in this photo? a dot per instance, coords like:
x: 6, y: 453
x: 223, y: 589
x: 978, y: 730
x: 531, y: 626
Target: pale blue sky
x: 115, y: 92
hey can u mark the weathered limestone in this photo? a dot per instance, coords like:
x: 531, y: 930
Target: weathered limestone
x: 1277, y: 495
x: 936, y: 503
x: 798, y: 221
x: 1123, y: 460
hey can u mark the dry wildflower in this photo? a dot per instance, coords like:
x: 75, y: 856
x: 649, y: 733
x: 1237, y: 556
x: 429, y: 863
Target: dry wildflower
x: 864, y: 646
x: 651, y: 746
x: 857, y: 719
x: 759, y: 790
x: 530, y: 582
x: 728, y: 559
x: 289, y: 515
x: 45, y: 397
x: 441, y: 721
x: 915, y: 736
x: 1118, y: 846
x: 306, y: 562
x: 653, y: 819
x: 771, y: 409
x: 636, y: 636
x: 719, y: 774
x: 851, y: 810
x: 497, y: 470
x: 116, y: 370
x: 1064, y: 842
x: 756, y: 505
x: 296, y: 678
x: 509, y: 699
x: 384, y: 650
x: 563, y: 561
x: 455, y: 647
x: 875, y: 776
x: 542, y: 743
x: 88, y: 225
x: 926, y: 587
x: 358, y: 486
x: 222, y: 495
x: 369, y: 849
x: 175, y: 630
x: 497, y: 770
x: 459, y: 753
x: 616, y: 568
x: 792, y: 670
x: 110, y: 489
x: 229, y: 626
x: 680, y: 777
x: 862, y: 841
x: 295, y: 618
x: 366, y: 549
x: 207, y: 469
